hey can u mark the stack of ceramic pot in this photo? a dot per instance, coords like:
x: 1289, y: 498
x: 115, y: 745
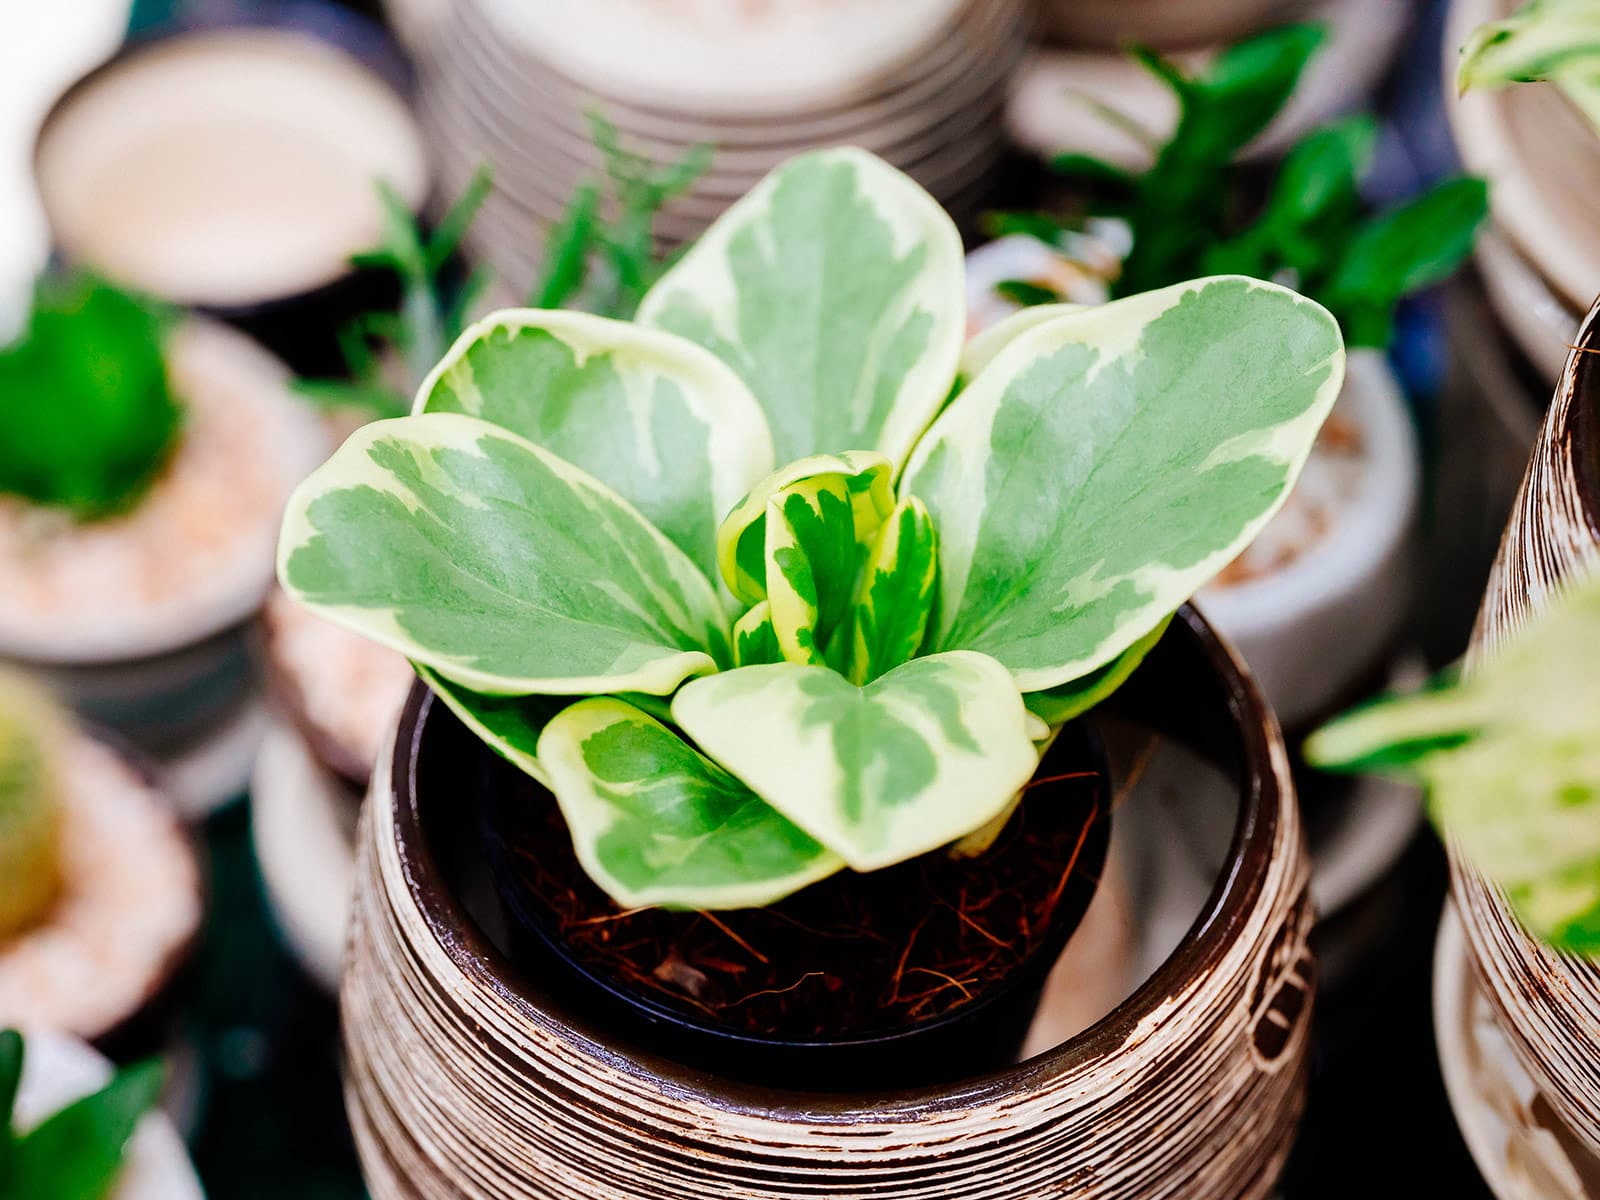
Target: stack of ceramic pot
x: 921, y: 83
x: 1519, y: 1025
x: 1080, y: 82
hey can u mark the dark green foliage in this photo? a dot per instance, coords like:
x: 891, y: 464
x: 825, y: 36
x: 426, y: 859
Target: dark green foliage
x: 1311, y: 233
x: 77, y: 1153
x: 87, y: 419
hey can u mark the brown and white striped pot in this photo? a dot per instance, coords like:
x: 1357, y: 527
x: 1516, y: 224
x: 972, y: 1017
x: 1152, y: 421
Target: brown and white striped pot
x: 1547, y: 1003
x: 466, y: 1080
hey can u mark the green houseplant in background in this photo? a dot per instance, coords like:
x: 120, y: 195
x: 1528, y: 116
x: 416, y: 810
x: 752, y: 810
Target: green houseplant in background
x: 77, y: 1153
x: 1311, y: 232
x: 1509, y: 759
x: 714, y: 579
x: 1556, y: 41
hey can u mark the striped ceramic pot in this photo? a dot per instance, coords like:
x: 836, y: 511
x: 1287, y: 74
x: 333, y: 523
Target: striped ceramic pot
x: 1548, y: 1004
x: 465, y: 1079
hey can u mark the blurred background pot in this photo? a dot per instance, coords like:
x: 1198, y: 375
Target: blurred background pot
x: 464, y: 1076
x: 1546, y: 1005
x: 232, y: 168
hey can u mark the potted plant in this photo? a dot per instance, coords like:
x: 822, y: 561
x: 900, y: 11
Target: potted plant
x: 759, y: 698
x: 104, y: 898
x: 75, y: 1130
x: 138, y: 509
x: 1506, y: 753
x: 338, y: 694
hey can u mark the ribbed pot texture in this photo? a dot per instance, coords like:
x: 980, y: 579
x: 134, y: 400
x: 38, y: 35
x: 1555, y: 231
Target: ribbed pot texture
x: 1549, y: 1004
x: 466, y: 1081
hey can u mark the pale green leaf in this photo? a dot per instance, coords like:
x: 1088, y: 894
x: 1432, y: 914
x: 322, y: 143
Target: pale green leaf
x: 1058, y: 705
x: 508, y: 725
x: 654, y: 417
x: 834, y: 289
x: 984, y: 345
x: 893, y: 596
x: 1108, y: 463
x: 862, y: 481
x: 878, y: 774
x: 655, y: 822
x: 1511, y: 763
x: 754, y: 641
x: 476, y: 553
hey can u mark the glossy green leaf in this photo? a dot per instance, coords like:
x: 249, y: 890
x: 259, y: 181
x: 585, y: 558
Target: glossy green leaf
x: 878, y: 774
x: 834, y: 289
x: 894, y: 592
x: 1555, y: 40
x: 654, y: 417
x: 754, y: 640
x: 794, y: 584
x: 77, y: 1153
x: 1107, y: 464
x: 859, y: 490
x: 508, y: 725
x: 11, y: 1056
x: 1511, y: 763
x: 1058, y: 705
x: 472, y: 551
x: 655, y: 822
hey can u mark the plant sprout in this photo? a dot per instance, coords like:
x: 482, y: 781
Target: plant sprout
x: 729, y: 582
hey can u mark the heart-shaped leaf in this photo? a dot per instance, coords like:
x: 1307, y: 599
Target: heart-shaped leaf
x: 1107, y: 464
x: 849, y: 494
x: 474, y: 552
x: 834, y: 289
x: 878, y: 774
x: 655, y: 822
x: 659, y: 420
x: 894, y: 595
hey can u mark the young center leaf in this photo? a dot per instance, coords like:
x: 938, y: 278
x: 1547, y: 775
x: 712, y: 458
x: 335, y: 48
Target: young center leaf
x: 893, y: 596
x: 878, y: 774
x: 855, y: 490
x: 502, y: 567
x: 1107, y: 464
x: 1511, y: 764
x: 755, y: 642
x: 661, y: 421
x: 834, y: 289
x: 655, y: 822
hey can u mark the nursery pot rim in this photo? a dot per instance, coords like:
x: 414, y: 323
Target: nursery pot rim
x: 1264, y: 768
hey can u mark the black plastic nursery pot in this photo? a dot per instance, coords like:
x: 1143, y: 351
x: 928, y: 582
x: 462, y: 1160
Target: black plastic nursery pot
x: 928, y: 971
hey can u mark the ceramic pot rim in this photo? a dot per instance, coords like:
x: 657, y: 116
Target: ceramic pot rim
x: 1240, y: 881
x: 1583, y: 416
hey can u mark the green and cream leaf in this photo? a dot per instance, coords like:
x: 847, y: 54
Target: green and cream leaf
x: 755, y: 643
x: 834, y: 289
x: 656, y: 418
x: 655, y: 822
x: 981, y: 348
x: 508, y: 725
x: 878, y: 774
x: 894, y: 593
x: 1108, y: 463
x: 1058, y: 705
x: 500, y: 566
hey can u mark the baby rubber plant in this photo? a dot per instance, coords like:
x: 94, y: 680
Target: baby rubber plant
x: 1546, y: 40
x: 77, y: 1153
x: 1510, y: 759
x: 87, y: 419
x: 434, y: 309
x: 1312, y: 232
x: 729, y: 582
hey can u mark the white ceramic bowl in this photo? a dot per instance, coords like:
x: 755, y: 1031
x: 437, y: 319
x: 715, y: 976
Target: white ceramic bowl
x: 59, y: 1069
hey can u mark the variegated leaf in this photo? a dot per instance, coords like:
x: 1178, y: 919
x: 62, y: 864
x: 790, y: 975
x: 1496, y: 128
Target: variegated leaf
x: 1555, y: 40
x: 894, y: 595
x: 982, y: 346
x: 794, y: 606
x: 476, y: 553
x: 655, y: 822
x: 508, y: 725
x: 1511, y: 763
x: 878, y: 774
x: 854, y: 488
x: 834, y: 289
x: 754, y: 641
x: 661, y: 421
x: 1108, y: 463
x: 1058, y: 705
